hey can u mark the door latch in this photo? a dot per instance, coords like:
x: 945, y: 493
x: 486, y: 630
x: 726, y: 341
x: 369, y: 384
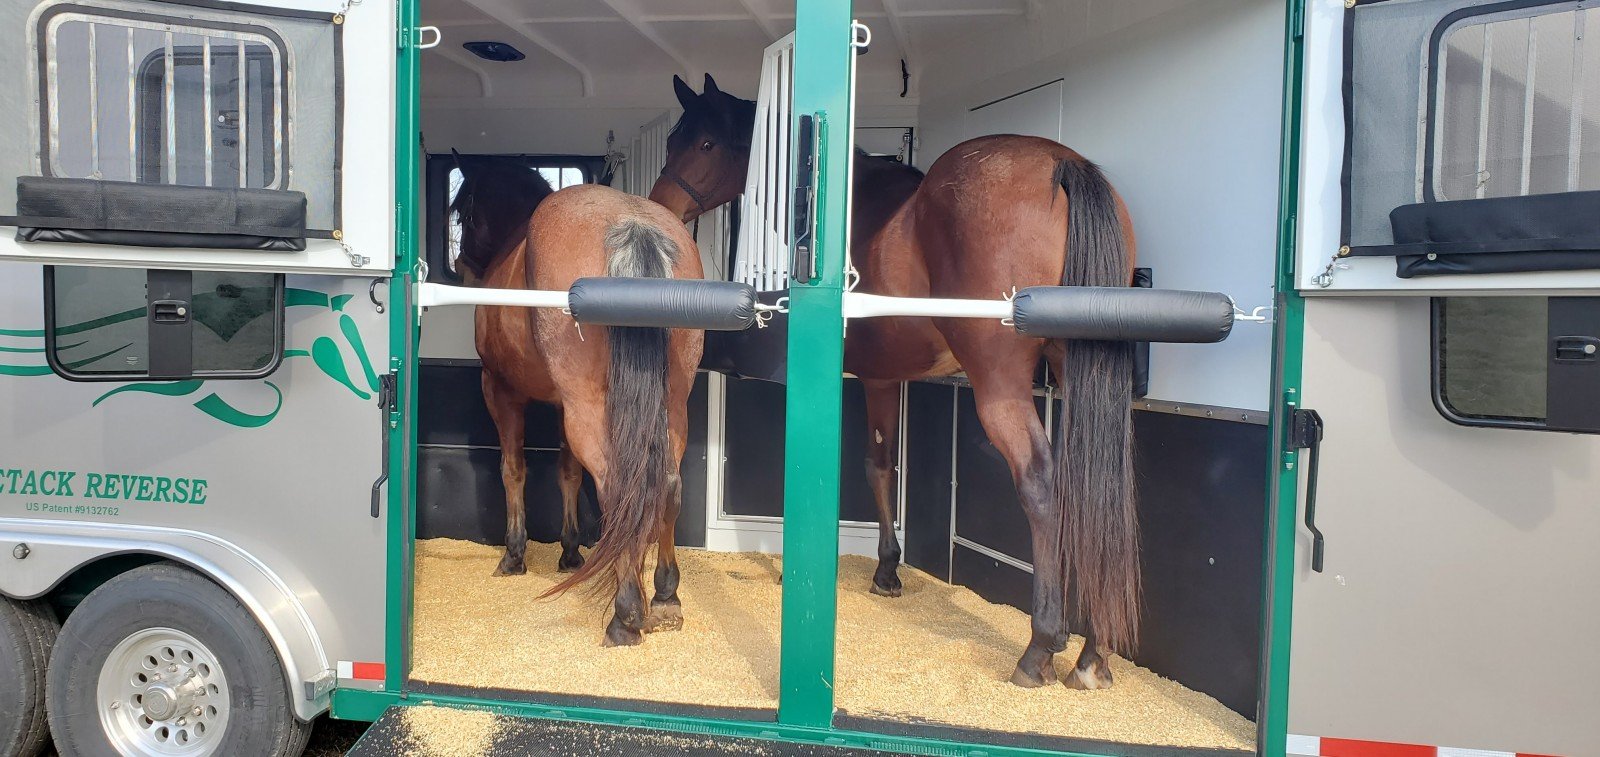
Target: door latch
x: 169, y: 311
x: 388, y: 404
x: 1305, y: 432
x: 1575, y: 349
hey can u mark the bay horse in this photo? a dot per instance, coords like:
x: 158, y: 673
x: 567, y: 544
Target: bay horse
x: 623, y: 392
x: 992, y: 214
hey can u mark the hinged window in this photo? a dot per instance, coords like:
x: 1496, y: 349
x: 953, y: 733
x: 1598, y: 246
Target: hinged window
x: 1518, y: 362
x: 1473, y: 135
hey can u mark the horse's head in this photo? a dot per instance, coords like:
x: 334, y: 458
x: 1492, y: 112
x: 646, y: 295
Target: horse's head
x: 494, y: 201
x: 708, y: 151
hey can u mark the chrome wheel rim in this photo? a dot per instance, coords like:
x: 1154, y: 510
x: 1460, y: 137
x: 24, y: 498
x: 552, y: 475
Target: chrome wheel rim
x: 161, y: 692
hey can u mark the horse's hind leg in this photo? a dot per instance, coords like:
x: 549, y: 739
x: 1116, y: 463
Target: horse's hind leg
x: 570, y: 479
x: 1093, y: 670
x: 883, y: 421
x: 1003, y: 391
x: 506, y: 410
x: 666, y: 612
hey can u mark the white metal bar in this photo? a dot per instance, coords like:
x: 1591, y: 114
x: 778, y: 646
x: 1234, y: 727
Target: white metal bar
x: 862, y: 305
x: 1486, y: 76
x: 431, y: 295
x: 243, y: 120
x: 1575, y: 128
x: 205, y: 76
x: 133, y: 112
x: 171, y: 109
x: 1528, y: 102
x: 94, y: 105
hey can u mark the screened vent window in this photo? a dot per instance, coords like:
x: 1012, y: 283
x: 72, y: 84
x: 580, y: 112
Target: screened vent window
x: 123, y: 323
x: 1522, y: 362
x: 1519, y: 106
x: 164, y: 103
x: 1474, y: 135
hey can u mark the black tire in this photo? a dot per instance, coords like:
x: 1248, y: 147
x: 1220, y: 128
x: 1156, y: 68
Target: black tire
x: 27, y: 632
x: 260, y: 719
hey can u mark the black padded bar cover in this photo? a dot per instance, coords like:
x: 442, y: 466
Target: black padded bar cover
x: 1548, y: 232
x: 159, y: 215
x: 663, y: 303
x: 1123, y: 314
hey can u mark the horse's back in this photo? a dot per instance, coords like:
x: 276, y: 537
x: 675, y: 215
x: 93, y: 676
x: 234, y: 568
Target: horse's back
x: 567, y: 234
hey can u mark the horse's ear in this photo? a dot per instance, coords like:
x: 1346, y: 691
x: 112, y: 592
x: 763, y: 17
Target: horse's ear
x: 711, y: 85
x: 686, y: 94
x: 457, y: 157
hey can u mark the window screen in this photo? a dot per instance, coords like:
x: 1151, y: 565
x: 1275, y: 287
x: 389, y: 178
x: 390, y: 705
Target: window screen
x: 127, y: 323
x: 1473, y: 135
x: 224, y: 95
x: 1523, y: 362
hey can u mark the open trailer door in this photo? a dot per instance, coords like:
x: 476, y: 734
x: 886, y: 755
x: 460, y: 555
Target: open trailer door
x: 193, y: 135
x: 1450, y: 173
x: 197, y: 201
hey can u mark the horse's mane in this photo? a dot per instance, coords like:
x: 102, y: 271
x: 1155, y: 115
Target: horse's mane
x: 510, y: 192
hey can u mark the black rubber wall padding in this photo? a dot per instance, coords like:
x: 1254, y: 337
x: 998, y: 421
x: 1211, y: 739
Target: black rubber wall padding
x: 159, y: 215
x: 663, y: 303
x: 1123, y: 314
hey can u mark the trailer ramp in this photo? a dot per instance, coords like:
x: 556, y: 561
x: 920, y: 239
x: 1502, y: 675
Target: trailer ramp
x: 395, y: 734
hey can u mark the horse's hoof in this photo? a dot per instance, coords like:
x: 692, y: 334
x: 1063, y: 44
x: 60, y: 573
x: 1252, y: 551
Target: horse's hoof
x: 569, y: 563
x: 510, y: 566
x: 664, y: 616
x: 618, y: 636
x: 1085, y: 680
x: 887, y: 586
x: 1029, y: 680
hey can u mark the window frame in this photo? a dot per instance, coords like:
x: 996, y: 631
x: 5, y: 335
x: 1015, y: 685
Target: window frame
x: 279, y: 336
x: 437, y: 199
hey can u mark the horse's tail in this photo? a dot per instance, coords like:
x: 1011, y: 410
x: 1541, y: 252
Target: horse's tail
x: 639, y: 464
x: 1094, y: 464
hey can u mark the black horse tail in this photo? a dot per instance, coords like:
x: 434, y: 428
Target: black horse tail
x: 1093, y: 481
x: 639, y: 464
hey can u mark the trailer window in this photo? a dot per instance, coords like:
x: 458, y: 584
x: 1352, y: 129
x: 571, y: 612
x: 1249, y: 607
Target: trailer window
x: 1518, y: 362
x: 444, y: 181
x: 109, y: 324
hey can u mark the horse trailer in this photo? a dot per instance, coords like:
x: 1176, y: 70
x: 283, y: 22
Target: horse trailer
x: 250, y: 478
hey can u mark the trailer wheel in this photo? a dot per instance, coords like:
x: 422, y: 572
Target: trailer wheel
x: 160, y: 660
x: 27, y: 632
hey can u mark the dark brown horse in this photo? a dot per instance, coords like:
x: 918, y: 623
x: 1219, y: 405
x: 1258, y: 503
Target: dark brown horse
x: 991, y: 214
x: 623, y: 392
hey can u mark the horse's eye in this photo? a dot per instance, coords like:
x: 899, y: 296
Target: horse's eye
x: 707, y: 145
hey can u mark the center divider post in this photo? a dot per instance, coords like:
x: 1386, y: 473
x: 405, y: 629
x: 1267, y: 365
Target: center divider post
x: 815, y: 378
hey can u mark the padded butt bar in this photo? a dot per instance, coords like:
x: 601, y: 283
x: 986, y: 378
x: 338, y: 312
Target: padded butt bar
x: 663, y: 303
x: 1123, y: 314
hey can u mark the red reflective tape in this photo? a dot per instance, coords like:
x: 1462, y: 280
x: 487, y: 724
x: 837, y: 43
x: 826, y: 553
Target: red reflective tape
x: 366, y: 671
x: 1353, y: 748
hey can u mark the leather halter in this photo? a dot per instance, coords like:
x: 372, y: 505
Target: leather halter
x: 699, y: 199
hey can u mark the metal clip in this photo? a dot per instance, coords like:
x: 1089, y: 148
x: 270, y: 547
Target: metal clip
x: 860, y: 35
x: 1255, y: 315
x: 852, y: 278
x: 575, y: 324
x: 438, y: 36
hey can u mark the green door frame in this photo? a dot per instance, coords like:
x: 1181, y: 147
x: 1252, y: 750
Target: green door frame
x: 811, y: 489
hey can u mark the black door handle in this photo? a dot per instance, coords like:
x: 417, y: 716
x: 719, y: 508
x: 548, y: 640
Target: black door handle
x: 169, y: 311
x: 1305, y: 432
x: 388, y: 401
x: 1575, y: 349
x: 803, y: 203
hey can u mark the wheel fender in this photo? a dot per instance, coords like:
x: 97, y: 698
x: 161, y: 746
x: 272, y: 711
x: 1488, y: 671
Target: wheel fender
x: 39, y: 555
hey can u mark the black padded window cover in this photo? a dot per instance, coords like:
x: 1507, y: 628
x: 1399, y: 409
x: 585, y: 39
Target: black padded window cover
x: 155, y: 215
x: 1548, y: 232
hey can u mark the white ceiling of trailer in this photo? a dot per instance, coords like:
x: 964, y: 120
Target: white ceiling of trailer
x: 617, y: 53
